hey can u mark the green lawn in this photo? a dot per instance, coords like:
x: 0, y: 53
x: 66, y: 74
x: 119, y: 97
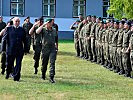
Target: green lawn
x: 76, y: 79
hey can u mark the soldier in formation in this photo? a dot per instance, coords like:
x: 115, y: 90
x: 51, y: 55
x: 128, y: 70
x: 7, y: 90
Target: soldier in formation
x: 107, y: 42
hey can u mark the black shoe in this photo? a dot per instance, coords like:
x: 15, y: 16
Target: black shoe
x: 127, y: 75
x: 43, y: 77
x: 17, y: 80
x: 2, y: 72
x: 52, y: 79
x: 36, y: 70
x: 121, y: 72
x: 7, y: 76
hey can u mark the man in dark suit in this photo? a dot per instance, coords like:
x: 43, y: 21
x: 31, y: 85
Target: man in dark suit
x: 15, y: 38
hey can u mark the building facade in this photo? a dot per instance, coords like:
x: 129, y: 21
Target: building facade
x: 65, y: 12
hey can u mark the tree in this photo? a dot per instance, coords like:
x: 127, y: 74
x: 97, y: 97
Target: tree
x: 121, y: 8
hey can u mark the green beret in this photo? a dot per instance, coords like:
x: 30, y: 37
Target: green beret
x: 78, y: 20
x: 48, y: 20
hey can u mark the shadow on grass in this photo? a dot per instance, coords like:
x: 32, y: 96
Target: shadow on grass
x: 66, y: 53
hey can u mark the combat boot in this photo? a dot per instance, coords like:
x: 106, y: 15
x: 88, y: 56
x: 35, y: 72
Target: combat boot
x: 52, y: 79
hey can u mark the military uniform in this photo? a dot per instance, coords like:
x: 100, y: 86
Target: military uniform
x: 48, y: 51
x: 37, y: 49
x: 88, y: 40
x: 80, y: 39
x: 96, y: 39
x: 27, y: 27
x: 119, y: 51
x: 114, y: 49
x: 131, y: 53
x: 111, y: 33
x: 93, y: 28
x: 125, y: 55
x: 100, y: 51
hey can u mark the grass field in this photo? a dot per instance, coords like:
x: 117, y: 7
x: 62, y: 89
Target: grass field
x: 76, y: 79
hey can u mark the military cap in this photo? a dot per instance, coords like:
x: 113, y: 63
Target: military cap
x: 128, y: 23
x: 107, y: 21
x: 94, y: 16
x: 116, y: 22
x: 48, y: 20
x: 27, y: 17
x: 122, y: 22
x: 102, y: 22
x: 112, y: 21
x: 78, y: 20
x: 40, y: 18
x: 89, y: 16
x: 100, y: 18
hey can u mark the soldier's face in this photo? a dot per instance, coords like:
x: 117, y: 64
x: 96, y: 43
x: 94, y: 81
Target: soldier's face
x: 116, y: 26
x: 121, y: 25
x: 28, y: 20
x: 88, y: 18
x: 126, y: 26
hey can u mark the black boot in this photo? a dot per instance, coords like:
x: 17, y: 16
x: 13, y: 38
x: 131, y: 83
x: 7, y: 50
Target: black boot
x: 52, y: 79
x: 43, y: 77
x: 36, y: 70
x: 3, y: 71
x: 127, y: 74
x: 121, y: 72
x: 7, y: 76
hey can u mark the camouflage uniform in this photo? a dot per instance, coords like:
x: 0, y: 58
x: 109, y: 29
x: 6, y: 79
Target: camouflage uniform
x: 125, y: 55
x: 119, y: 51
x: 93, y: 28
x: 88, y: 39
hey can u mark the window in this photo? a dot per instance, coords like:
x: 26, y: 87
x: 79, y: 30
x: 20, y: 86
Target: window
x: 49, y: 8
x: 17, y: 7
x: 79, y: 7
x: 106, y: 5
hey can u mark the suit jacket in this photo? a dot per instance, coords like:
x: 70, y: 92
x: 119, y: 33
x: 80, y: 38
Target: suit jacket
x: 15, y: 41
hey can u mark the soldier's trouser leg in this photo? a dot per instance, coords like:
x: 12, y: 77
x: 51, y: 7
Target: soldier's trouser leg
x: 96, y: 48
x: 52, y: 63
x: 89, y: 49
x: 105, y: 54
x: 77, y: 48
x: 119, y: 60
x: 28, y: 41
x: 37, y: 55
x: 131, y: 59
x: 102, y: 55
x: 81, y: 48
x: 114, y: 49
x: 98, y: 54
x: 93, y: 49
x: 3, y: 62
x: 126, y: 62
x: 111, y: 56
x: 46, y: 54
x: 85, y: 48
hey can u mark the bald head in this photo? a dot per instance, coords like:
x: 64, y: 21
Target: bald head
x: 16, y: 21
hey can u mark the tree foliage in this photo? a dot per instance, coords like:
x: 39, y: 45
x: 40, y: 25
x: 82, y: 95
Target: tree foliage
x: 121, y: 8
